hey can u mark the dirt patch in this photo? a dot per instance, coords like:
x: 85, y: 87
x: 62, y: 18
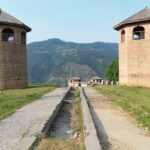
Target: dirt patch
x: 59, y: 144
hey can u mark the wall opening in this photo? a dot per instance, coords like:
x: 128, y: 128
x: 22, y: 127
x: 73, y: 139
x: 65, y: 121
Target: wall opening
x: 23, y: 37
x: 8, y: 35
x: 138, y: 33
x: 123, y: 36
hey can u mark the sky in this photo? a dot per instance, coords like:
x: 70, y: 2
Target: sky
x: 79, y: 21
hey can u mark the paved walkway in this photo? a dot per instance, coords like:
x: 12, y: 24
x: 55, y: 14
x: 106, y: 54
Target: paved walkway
x: 19, y: 131
x: 114, y: 127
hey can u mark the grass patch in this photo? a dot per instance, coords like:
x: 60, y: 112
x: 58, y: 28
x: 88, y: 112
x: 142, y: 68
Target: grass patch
x: 78, y: 112
x: 11, y: 100
x: 135, y: 100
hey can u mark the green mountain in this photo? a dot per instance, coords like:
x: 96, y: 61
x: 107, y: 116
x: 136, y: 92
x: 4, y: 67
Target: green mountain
x: 55, y: 61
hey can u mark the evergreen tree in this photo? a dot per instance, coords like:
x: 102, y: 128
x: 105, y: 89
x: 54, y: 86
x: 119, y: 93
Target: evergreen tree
x: 112, y: 73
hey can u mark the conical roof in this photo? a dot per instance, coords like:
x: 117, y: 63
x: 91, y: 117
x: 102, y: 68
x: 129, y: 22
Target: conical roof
x: 142, y: 16
x: 7, y: 19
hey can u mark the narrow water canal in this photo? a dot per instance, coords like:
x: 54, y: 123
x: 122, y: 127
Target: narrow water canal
x: 61, y: 126
x: 66, y: 132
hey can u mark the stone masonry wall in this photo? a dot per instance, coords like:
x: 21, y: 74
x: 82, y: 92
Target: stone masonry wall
x: 13, y: 61
x: 134, y: 58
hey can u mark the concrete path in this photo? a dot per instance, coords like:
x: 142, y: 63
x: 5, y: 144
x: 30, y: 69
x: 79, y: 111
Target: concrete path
x: 19, y: 131
x: 91, y: 138
x: 114, y: 126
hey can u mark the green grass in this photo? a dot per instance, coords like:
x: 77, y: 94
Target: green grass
x: 11, y: 100
x: 78, y: 111
x: 134, y: 100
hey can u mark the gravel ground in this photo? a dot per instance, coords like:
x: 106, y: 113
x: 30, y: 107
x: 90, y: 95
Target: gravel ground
x: 115, y: 128
x: 19, y: 131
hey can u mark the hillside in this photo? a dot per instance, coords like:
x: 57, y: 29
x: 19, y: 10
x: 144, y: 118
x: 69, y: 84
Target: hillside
x: 55, y: 61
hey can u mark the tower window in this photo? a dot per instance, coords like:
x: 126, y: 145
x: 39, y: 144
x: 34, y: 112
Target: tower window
x: 138, y: 33
x: 123, y: 36
x: 23, y: 38
x: 8, y: 35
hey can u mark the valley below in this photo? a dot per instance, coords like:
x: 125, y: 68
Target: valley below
x: 54, y: 61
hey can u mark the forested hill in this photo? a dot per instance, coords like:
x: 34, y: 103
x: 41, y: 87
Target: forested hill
x: 55, y: 60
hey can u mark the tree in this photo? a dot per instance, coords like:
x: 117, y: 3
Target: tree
x: 112, y: 73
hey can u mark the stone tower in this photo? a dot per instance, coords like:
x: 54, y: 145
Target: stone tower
x: 13, y: 55
x: 134, y: 49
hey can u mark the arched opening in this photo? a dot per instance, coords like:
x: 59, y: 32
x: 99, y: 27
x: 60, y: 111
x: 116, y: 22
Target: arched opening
x: 123, y: 36
x: 138, y: 33
x: 23, y: 37
x: 8, y: 35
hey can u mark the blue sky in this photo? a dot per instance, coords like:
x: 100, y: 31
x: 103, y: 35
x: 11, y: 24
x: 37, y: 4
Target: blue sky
x: 73, y: 20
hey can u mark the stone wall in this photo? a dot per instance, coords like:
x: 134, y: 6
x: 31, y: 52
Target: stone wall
x: 13, y: 61
x: 134, y: 58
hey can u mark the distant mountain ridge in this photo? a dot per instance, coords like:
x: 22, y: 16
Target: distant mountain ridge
x: 55, y: 60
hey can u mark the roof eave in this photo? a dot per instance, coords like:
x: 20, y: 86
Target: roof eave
x: 28, y: 29
x: 122, y: 24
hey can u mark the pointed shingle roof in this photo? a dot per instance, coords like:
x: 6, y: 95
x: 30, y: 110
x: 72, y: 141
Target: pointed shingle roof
x: 142, y: 16
x: 7, y: 19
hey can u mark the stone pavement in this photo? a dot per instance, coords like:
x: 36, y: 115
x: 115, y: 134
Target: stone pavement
x: 19, y: 131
